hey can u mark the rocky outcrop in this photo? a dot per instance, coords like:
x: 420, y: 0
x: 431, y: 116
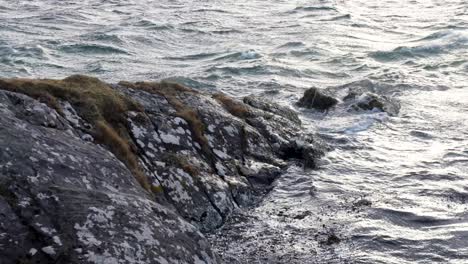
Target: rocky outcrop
x: 358, y: 100
x: 316, y: 99
x: 358, y: 96
x: 132, y: 172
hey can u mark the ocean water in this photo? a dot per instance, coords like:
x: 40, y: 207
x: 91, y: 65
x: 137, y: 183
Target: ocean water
x: 393, y: 189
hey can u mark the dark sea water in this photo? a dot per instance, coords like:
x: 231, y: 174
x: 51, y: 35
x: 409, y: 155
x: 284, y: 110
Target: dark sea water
x: 392, y: 190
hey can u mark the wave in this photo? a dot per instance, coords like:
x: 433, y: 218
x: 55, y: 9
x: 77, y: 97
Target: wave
x: 336, y: 18
x: 151, y: 25
x: 311, y: 9
x: 292, y: 44
x: 314, y: 8
x: 92, y: 49
x: 219, y: 56
x: 244, y: 55
x: 198, y: 56
x: 226, y: 31
x: 432, y: 45
x: 102, y: 36
x: 211, y: 10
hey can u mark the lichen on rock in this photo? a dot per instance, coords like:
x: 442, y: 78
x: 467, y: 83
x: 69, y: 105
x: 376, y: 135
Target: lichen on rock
x: 132, y: 172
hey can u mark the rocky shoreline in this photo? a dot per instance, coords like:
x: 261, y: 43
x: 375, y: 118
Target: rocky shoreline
x: 132, y: 172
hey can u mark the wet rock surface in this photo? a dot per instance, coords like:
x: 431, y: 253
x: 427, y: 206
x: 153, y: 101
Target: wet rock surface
x: 355, y: 96
x: 317, y: 99
x: 66, y: 197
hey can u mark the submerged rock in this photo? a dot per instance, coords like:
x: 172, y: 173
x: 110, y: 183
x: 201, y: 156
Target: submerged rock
x: 316, y: 99
x: 131, y: 173
x: 368, y: 96
x: 358, y: 96
x: 371, y: 101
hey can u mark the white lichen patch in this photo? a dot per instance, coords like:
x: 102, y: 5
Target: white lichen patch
x: 44, y: 196
x: 180, y: 131
x: 87, y: 137
x: 140, y: 143
x: 99, y: 218
x: 231, y: 131
x: 70, y: 114
x: 102, y: 216
x: 170, y: 139
x: 48, y: 250
x: 220, y: 168
x: 118, y: 199
x: 211, y: 128
x: 180, y: 121
x: 211, y: 141
x: 25, y: 202
x: 57, y: 240
x: 32, y: 251
x: 221, y: 153
x: 155, y: 136
x: 144, y: 235
x: 137, y: 131
x: 177, y: 191
x: 86, y: 182
x: 46, y: 230
x: 105, y: 258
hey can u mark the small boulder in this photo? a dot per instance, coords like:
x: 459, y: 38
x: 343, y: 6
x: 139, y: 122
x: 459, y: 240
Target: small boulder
x: 371, y: 101
x: 316, y: 99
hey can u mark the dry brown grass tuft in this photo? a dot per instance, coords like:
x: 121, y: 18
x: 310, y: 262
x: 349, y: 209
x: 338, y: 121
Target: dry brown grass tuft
x: 235, y: 108
x: 93, y: 99
x: 163, y: 88
x: 121, y: 148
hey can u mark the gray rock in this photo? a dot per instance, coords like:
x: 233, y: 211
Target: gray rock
x: 370, y: 101
x: 265, y: 105
x: 66, y: 199
x: 317, y: 99
x: 366, y: 95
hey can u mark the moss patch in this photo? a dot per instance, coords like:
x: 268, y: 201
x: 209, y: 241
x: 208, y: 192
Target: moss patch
x: 97, y: 103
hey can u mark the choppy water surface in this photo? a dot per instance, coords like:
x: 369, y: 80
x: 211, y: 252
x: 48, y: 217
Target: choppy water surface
x: 393, y: 190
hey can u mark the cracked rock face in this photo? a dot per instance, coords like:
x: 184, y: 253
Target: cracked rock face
x: 64, y: 198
